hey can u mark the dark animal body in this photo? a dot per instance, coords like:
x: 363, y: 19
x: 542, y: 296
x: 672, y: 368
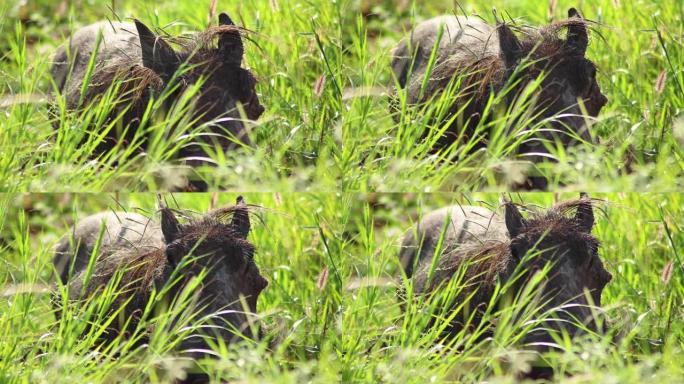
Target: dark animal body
x: 143, y: 65
x: 148, y: 254
x: 486, y: 58
x: 490, y: 248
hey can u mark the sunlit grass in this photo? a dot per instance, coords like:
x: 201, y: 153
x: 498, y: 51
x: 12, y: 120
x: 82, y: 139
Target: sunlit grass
x: 325, y: 81
x: 333, y: 307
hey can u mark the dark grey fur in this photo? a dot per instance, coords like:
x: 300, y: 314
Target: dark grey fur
x: 491, y: 247
x: 148, y: 252
x: 145, y: 65
x: 487, y: 57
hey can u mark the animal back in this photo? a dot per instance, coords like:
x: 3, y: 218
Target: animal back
x: 463, y: 40
x: 70, y: 64
x: 455, y: 226
x: 119, y: 230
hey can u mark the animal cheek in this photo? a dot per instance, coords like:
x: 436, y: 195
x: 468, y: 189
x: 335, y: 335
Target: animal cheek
x: 569, y: 97
x: 243, y: 269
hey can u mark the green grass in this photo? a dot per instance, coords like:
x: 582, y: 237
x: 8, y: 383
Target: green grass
x: 348, y: 327
x: 332, y: 310
x: 342, y: 136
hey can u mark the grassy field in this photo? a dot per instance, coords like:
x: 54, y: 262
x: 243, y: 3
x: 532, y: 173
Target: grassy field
x: 331, y: 311
x: 324, y: 78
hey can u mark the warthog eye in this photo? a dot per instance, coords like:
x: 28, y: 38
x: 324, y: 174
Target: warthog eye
x: 593, y: 254
x: 589, y: 78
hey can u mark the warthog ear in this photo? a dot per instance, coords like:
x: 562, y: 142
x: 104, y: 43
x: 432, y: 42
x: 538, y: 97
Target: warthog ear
x: 230, y: 43
x: 157, y: 54
x: 578, y: 38
x: 514, y: 220
x: 240, y: 221
x: 510, y: 46
x: 169, y: 225
x: 585, y: 213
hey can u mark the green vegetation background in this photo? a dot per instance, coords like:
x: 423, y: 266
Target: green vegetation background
x: 324, y: 80
x: 331, y: 310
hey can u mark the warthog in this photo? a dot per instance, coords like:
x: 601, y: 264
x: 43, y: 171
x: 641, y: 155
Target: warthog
x: 144, y: 65
x: 492, y: 248
x: 489, y: 58
x: 149, y: 254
